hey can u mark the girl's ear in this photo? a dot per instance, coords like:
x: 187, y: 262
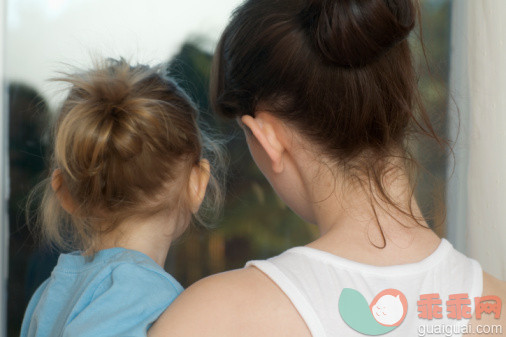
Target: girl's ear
x: 62, y: 193
x: 264, y: 132
x: 197, y: 184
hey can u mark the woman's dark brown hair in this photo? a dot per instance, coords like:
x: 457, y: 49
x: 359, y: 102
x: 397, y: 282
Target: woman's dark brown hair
x: 339, y: 71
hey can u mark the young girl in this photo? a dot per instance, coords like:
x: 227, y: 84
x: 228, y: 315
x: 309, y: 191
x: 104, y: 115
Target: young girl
x: 128, y: 172
x: 326, y: 92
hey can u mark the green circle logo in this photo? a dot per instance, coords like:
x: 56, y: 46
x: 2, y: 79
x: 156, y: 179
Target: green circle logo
x: 385, y: 313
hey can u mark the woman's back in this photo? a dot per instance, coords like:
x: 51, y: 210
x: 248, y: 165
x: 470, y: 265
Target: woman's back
x: 337, y: 296
x: 248, y: 303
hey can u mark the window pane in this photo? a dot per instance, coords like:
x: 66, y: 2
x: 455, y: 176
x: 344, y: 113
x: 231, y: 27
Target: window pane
x: 44, y: 34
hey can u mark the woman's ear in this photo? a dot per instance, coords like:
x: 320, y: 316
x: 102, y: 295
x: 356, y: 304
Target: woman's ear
x: 62, y: 192
x: 263, y: 129
x: 197, y: 184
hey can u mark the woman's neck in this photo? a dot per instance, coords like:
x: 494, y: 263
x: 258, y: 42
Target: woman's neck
x: 357, y: 223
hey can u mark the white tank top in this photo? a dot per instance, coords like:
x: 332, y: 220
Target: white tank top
x: 333, y: 294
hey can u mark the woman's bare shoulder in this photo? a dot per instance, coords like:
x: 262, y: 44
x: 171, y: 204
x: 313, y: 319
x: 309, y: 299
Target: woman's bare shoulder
x: 491, y: 287
x: 243, y: 302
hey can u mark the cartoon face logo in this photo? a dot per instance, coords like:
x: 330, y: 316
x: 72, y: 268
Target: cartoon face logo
x: 387, y: 307
x: 385, y: 312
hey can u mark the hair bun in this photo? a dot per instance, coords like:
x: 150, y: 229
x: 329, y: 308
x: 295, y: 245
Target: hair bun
x: 352, y: 33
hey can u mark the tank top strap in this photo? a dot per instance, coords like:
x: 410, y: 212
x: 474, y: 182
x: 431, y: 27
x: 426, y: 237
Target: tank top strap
x: 299, y: 301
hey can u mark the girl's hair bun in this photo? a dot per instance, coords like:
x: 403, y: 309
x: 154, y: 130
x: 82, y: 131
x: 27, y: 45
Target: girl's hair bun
x: 125, y: 139
x: 352, y: 33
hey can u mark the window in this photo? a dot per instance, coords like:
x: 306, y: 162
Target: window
x: 43, y: 34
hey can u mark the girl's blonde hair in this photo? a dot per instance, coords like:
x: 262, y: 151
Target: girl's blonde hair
x: 124, y: 136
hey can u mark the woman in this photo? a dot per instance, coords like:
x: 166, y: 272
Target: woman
x: 326, y: 93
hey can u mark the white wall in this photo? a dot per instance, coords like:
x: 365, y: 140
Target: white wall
x: 4, y: 242
x: 477, y: 192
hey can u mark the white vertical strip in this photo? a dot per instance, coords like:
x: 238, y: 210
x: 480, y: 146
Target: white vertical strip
x: 458, y: 127
x: 477, y: 191
x: 487, y: 147
x: 4, y: 172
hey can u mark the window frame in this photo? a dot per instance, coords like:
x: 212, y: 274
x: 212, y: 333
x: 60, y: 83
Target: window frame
x: 4, y: 173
